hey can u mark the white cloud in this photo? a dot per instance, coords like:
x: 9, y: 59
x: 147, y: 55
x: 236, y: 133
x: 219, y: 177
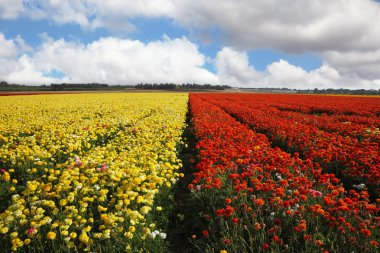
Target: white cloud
x: 344, y: 33
x: 114, y: 61
x: 364, y: 64
x: 10, y: 9
x: 8, y: 48
x: 234, y: 69
x: 116, y: 14
x: 91, y: 14
x: 295, y: 26
x: 122, y: 61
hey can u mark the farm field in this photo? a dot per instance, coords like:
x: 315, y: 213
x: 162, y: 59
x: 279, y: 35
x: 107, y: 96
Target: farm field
x: 81, y: 172
x: 102, y: 172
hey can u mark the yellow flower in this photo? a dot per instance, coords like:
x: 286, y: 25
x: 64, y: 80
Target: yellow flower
x: 129, y: 235
x: 54, y: 225
x: 84, y: 237
x: 145, y: 209
x: 51, y: 235
x: 223, y: 251
x: 6, y: 176
x: 4, y: 230
x: 101, y: 208
x: 127, y: 170
x: 32, y: 186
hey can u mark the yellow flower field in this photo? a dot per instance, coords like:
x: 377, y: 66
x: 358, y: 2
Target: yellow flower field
x: 81, y: 172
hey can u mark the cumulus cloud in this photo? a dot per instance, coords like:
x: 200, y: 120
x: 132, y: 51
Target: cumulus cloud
x: 234, y: 69
x: 117, y: 14
x: 345, y: 34
x: 111, y: 60
x: 8, y: 48
x: 89, y: 14
x: 10, y: 9
x: 123, y: 61
x: 294, y: 26
x: 365, y: 64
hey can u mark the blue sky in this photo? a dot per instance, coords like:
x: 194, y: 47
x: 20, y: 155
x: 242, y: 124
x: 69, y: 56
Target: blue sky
x: 243, y: 44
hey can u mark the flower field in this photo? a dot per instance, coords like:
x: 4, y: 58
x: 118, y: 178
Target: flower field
x: 267, y: 173
x: 81, y: 172
x: 261, y: 198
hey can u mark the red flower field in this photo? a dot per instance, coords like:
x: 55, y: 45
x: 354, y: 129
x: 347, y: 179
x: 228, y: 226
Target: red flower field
x: 287, y: 173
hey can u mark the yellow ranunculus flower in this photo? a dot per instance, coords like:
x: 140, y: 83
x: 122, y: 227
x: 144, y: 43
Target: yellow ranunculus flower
x: 6, y: 176
x: 51, y: 235
x: 84, y: 237
x: 115, y: 156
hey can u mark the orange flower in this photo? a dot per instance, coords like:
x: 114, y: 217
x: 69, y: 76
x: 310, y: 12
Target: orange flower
x: 318, y: 243
x: 257, y: 226
x: 259, y: 202
x: 301, y: 226
x: 227, y: 241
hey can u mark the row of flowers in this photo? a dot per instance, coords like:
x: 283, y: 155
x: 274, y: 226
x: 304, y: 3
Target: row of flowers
x: 336, y: 119
x: 83, y: 171
x: 366, y: 106
x: 260, y: 198
x: 354, y: 160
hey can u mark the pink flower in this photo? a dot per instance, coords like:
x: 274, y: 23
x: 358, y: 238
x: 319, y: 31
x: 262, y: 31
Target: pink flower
x: 30, y: 231
x: 77, y: 161
x: 3, y: 170
x: 104, y: 168
x: 315, y: 193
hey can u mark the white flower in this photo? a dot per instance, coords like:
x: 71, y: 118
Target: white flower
x: 163, y: 235
x: 48, y: 220
x: 359, y: 186
x: 154, y: 234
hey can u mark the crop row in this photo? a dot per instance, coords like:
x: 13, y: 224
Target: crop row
x: 354, y: 160
x: 260, y: 198
x: 83, y: 171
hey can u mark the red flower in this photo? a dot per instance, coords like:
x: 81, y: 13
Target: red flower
x: 228, y: 211
x: 227, y: 241
x: 205, y: 233
x: 366, y: 232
